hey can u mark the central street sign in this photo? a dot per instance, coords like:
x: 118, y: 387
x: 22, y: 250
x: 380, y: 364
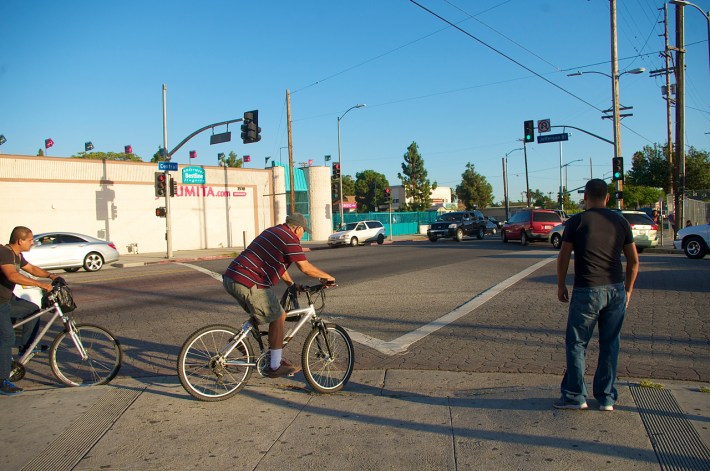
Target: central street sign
x: 552, y: 138
x: 169, y: 166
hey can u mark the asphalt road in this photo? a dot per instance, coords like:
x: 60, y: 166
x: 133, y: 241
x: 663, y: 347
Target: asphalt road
x: 475, y: 306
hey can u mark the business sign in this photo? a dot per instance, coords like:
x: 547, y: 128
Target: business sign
x: 193, y: 175
x: 169, y: 166
x: 552, y: 138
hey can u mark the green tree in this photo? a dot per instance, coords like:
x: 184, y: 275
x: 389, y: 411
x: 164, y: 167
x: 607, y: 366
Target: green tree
x: 370, y: 190
x: 40, y: 152
x: 649, y: 167
x: 107, y: 156
x: 158, y: 156
x: 697, y: 170
x: 232, y: 161
x: 415, y: 182
x: 348, y: 187
x: 474, y: 190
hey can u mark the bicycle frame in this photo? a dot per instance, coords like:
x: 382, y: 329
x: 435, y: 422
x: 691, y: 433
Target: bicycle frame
x: 68, y: 324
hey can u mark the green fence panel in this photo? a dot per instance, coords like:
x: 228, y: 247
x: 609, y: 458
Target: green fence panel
x: 402, y: 223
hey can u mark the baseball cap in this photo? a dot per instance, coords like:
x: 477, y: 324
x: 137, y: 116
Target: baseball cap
x: 297, y: 219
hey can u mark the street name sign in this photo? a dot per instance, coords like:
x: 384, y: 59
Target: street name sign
x: 169, y: 166
x: 552, y: 138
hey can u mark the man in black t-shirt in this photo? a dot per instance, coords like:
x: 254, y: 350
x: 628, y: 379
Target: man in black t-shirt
x: 11, y: 261
x: 602, y: 290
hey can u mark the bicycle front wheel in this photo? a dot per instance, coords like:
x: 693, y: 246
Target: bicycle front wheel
x: 328, y: 358
x: 103, y: 356
x: 205, y: 372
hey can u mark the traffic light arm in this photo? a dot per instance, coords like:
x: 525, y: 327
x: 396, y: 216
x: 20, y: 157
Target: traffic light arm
x: 585, y: 132
x: 209, y: 126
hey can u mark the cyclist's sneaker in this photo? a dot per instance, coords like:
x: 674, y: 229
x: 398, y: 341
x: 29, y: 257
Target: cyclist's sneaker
x: 9, y: 389
x: 563, y: 404
x: 37, y: 349
x: 606, y: 407
x: 286, y: 369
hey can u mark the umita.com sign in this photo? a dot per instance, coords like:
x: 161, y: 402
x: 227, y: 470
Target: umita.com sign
x: 202, y: 191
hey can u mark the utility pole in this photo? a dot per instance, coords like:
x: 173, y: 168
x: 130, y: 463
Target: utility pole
x: 680, y: 113
x: 505, y: 185
x: 615, y: 98
x: 168, y: 182
x: 290, y: 152
x: 669, y: 102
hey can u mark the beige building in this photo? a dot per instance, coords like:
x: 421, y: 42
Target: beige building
x: 441, y: 196
x: 116, y: 201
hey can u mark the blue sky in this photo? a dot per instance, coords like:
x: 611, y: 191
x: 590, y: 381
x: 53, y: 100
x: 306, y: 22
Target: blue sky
x: 93, y: 71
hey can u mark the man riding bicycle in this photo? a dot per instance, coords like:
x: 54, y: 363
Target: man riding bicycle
x: 251, y: 276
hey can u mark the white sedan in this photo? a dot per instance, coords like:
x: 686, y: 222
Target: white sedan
x: 70, y: 251
x: 694, y: 241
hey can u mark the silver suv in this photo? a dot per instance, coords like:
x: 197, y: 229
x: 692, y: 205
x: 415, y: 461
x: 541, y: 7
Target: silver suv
x: 358, y: 233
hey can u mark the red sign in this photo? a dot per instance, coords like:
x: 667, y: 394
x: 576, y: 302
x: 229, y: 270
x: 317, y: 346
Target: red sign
x: 193, y: 154
x: 128, y: 149
x: 247, y: 158
x: 48, y: 143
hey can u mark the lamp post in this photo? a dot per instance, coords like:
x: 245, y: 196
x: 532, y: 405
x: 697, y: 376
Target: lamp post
x: 562, y: 198
x: 340, y: 163
x: 505, y: 181
x: 707, y: 15
x: 615, y: 75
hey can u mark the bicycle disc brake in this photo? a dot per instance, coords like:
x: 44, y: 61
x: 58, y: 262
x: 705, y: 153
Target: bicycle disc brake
x: 17, y: 372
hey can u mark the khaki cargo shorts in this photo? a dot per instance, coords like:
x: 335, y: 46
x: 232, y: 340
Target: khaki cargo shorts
x: 261, y: 304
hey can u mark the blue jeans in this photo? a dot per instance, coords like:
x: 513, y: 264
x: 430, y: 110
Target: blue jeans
x: 605, y: 305
x: 13, y: 310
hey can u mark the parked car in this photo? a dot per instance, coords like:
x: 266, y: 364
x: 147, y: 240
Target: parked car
x: 530, y: 225
x: 694, y: 241
x: 562, y: 213
x: 555, y: 236
x: 70, y: 251
x: 456, y: 225
x: 358, y: 233
x: 643, y: 228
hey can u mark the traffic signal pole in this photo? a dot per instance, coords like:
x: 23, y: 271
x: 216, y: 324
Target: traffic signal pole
x: 527, y: 182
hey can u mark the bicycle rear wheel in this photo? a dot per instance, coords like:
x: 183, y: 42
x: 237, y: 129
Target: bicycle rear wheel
x: 205, y: 373
x: 103, y: 356
x: 327, y: 367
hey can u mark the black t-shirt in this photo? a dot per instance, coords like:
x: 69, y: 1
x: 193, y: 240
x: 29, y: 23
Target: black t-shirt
x: 598, y: 236
x: 8, y: 257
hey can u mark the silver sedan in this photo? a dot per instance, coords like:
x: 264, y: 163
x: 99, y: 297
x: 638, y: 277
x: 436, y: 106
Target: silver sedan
x: 70, y: 251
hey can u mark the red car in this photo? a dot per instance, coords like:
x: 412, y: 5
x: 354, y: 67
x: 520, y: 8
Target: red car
x: 530, y: 225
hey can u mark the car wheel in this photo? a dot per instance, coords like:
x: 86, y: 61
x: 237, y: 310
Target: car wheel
x: 93, y: 262
x: 380, y: 239
x: 71, y: 270
x: 353, y: 242
x: 459, y: 235
x: 556, y: 241
x: 524, y: 238
x: 694, y: 248
x: 481, y: 233
x: 503, y: 237
x: 432, y: 239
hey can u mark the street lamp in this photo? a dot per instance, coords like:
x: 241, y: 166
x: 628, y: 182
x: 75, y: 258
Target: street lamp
x: 615, y: 101
x: 505, y: 181
x: 340, y: 163
x: 562, y: 199
x: 707, y: 15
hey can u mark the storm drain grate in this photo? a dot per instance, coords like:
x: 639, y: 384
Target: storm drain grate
x: 70, y: 447
x: 675, y: 441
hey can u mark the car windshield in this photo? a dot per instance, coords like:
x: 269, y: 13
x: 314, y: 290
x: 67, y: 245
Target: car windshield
x: 350, y: 226
x: 638, y: 219
x: 450, y: 217
x: 547, y: 217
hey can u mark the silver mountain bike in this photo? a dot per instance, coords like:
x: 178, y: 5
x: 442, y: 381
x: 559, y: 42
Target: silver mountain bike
x: 216, y: 361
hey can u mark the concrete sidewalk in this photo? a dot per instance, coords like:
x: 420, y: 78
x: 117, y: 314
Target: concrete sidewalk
x: 393, y: 419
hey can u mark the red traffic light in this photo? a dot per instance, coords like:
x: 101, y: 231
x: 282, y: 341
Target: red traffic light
x: 161, y: 212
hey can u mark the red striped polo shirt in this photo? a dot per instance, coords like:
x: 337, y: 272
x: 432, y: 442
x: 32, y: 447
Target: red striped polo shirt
x: 266, y: 259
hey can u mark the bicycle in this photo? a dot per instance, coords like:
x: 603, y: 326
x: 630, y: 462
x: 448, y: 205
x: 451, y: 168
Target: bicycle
x: 216, y: 361
x: 81, y: 354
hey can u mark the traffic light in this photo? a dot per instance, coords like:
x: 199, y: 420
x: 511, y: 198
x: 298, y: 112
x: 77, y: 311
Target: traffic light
x: 336, y: 170
x: 161, y: 184
x: 618, y: 168
x: 114, y: 211
x: 250, y: 128
x: 161, y: 212
x: 529, y: 131
x: 173, y: 187
x: 388, y: 195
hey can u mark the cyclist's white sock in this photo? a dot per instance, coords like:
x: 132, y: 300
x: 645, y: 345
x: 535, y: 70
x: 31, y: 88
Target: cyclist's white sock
x: 276, y: 358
